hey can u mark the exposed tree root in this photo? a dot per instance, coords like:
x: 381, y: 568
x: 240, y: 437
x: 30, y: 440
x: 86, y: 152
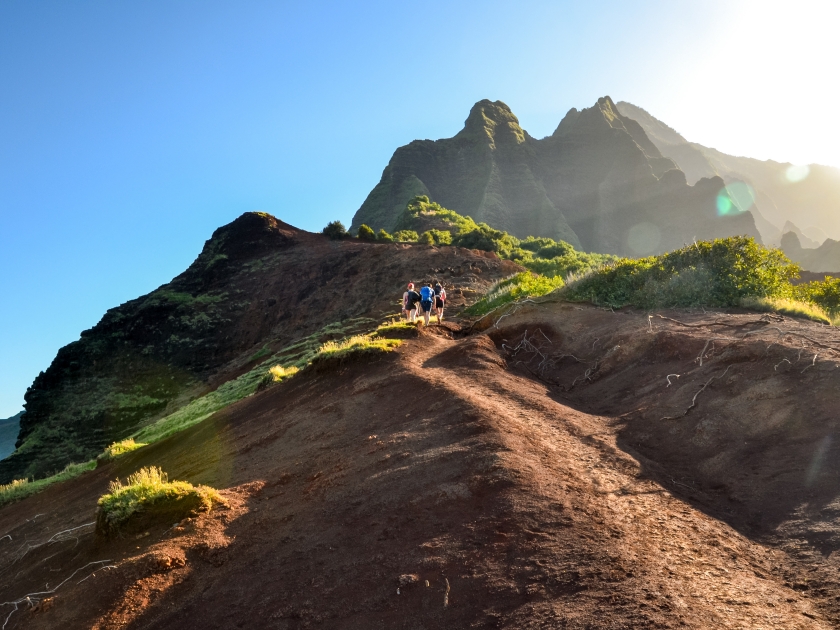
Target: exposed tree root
x: 694, y: 400
x: 32, y: 599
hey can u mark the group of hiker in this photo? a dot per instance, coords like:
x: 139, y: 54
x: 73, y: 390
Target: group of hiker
x: 430, y: 299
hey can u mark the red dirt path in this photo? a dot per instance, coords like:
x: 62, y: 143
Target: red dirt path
x: 462, y: 462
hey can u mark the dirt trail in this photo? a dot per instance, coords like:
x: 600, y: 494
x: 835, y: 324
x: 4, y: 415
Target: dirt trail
x: 446, y: 486
x: 653, y: 557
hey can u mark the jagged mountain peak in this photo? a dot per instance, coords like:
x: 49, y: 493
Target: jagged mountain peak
x: 494, y: 121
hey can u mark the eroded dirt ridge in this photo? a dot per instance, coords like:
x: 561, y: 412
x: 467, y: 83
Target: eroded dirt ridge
x: 567, y: 467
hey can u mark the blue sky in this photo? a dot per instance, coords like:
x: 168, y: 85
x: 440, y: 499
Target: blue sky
x: 129, y: 131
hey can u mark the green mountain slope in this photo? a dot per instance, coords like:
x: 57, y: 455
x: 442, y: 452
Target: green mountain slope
x: 598, y: 183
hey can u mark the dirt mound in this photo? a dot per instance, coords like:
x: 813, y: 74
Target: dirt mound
x: 482, y: 482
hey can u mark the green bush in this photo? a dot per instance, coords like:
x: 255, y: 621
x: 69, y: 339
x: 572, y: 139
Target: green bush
x: 426, y: 238
x: 384, y: 237
x: 710, y: 273
x: 335, y: 230
x: 823, y: 293
x: 366, y: 233
x: 488, y: 239
x: 406, y: 236
x: 149, y: 490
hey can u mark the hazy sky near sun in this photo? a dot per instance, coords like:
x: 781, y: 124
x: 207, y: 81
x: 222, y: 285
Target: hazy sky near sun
x: 129, y: 131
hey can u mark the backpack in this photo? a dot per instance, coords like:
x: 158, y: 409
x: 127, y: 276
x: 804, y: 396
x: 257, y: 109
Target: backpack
x: 412, y: 299
x: 426, y: 294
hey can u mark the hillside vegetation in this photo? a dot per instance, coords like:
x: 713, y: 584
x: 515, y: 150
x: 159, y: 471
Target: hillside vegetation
x: 428, y: 222
x: 728, y: 272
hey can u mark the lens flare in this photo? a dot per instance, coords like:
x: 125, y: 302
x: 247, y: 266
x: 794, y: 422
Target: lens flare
x: 735, y: 198
x: 797, y: 172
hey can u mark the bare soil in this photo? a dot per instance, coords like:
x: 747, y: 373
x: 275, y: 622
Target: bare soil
x: 539, y: 474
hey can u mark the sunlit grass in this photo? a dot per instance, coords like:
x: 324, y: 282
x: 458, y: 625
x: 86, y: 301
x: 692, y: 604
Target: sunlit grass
x: 357, y: 344
x: 277, y: 372
x: 148, y: 488
x: 792, y: 308
x: 121, y: 448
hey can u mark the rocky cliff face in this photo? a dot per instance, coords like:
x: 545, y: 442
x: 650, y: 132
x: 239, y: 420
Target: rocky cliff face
x: 257, y: 284
x: 598, y: 182
x: 808, y: 196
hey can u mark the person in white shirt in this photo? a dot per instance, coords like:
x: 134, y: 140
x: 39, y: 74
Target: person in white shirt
x: 440, y: 301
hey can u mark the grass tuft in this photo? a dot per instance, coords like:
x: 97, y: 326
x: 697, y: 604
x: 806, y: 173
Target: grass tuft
x: 355, y: 345
x: 149, y: 491
x: 277, y: 372
x: 22, y: 488
x: 121, y: 448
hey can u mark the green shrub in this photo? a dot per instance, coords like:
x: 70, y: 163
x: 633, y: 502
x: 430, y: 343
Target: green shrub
x: 384, y: 237
x: 823, y: 293
x: 488, y: 239
x: 536, y: 243
x: 522, y: 285
x: 426, y: 238
x: 711, y: 273
x: 335, y: 230
x: 366, y: 233
x: 150, y: 491
x: 406, y: 236
x: 440, y: 237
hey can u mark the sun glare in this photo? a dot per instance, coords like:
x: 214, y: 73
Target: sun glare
x: 797, y: 172
x: 735, y: 198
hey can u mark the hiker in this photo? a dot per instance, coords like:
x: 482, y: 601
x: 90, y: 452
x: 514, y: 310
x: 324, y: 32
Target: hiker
x: 427, y: 295
x: 410, y: 300
x: 440, y: 300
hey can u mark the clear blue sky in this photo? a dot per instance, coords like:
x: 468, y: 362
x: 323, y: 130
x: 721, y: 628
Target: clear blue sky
x: 129, y: 131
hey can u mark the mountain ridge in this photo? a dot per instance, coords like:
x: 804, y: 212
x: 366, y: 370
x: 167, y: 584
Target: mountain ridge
x: 808, y: 196
x: 597, y: 182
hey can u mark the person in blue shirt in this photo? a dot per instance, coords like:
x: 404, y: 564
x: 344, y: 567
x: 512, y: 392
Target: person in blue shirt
x: 427, y: 296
